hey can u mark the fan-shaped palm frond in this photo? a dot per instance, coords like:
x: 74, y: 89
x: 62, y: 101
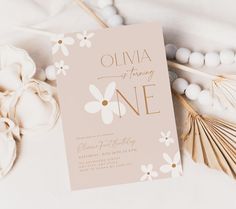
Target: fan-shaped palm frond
x: 209, y: 140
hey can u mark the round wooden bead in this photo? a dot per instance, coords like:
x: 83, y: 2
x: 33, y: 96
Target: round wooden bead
x: 212, y: 59
x: 115, y: 20
x: 40, y: 75
x: 51, y: 73
x: 172, y: 76
x: 192, y: 91
x: 204, y: 97
x: 103, y: 3
x: 227, y: 56
x: 196, y: 59
x: 182, y: 55
x: 180, y: 85
x: 108, y: 11
x: 170, y: 51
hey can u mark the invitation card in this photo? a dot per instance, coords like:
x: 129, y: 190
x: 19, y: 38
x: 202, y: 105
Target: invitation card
x: 116, y: 105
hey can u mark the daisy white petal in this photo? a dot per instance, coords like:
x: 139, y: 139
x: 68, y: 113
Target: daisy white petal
x: 68, y: 40
x: 57, y: 37
x: 149, y: 177
x: 95, y: 92
x: 175, y: 172
x: 149, y: 167
x: 165, y: 168
x: 63, y: 72
x: 144, y: 169
x: 110, y: 90
x: 79, y: 36
x: 153, y: 173
x: 162, y: 139
x: 168, y: 134
x: 163, y: 134
x: 179, y: 168
x: 90, y: 35
x: 92, y: 107
x: 176, y: 158
x: 167, y: 158
x: 82, y: 43
x: 118, y: 108
x: 88, y: 43
x: 57, y: 64
x: 143, y: 177
x: 107, y: 115
x: 167, y: 143
x: 55, y: 48
x: 64, y: 50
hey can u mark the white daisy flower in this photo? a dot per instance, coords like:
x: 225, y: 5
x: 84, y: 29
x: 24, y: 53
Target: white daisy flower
x: 166, y: 138
x: 60, y: 43
x: 149, y: 174
x: 104, y: 103
x: 172, y: 166
x: 61, y: 67
x: 84, y: 39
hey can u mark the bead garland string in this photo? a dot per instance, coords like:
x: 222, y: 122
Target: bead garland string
x: 192, y: 91
x: 90, y: 12
x: 198, y: 59
x: 178, y: 66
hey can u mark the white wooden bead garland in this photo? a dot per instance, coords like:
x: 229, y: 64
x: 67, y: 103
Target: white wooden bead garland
x: 198, y: 59
x: 51, y: 73
x: 48, y: 74
x: 192, y: 91
x: 110, y: 13
x: 103, y: 3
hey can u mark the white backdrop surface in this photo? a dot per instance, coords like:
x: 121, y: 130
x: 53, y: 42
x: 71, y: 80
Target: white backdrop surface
x: 39, y: 179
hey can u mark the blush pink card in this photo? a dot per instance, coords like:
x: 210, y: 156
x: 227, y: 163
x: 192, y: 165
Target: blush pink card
x: 116, y: 105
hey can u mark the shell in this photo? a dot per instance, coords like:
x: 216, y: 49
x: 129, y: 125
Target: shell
x: 7, y: 145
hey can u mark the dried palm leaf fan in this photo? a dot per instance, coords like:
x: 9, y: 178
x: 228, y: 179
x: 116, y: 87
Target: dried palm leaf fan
x: 223, y: 87
x: 209, y: 140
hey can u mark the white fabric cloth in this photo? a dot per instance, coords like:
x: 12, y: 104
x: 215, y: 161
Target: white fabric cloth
x: 39, y: 179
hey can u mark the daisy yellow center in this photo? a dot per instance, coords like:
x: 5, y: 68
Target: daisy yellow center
x: 60, y: 41
x: 104, y: 102
x: 173, y: 165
